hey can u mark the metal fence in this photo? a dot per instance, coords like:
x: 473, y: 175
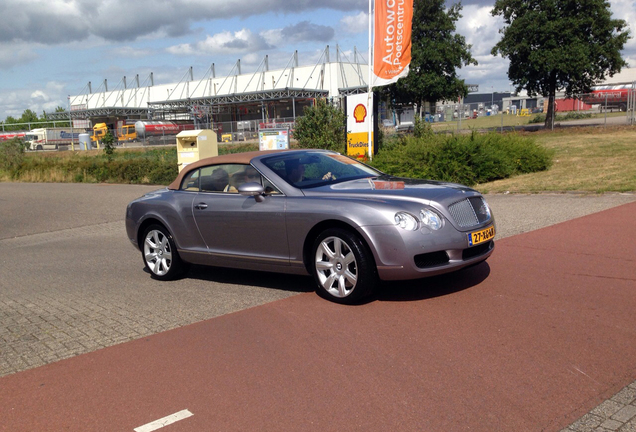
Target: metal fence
x: 614, y: 105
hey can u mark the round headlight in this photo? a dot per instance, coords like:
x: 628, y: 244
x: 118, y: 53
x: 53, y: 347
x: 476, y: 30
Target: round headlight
x: 431, y: 219
x: 406, y: 221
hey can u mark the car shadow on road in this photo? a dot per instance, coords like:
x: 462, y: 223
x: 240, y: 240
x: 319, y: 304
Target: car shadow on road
x: 280, y: 281
x: 436, y: 286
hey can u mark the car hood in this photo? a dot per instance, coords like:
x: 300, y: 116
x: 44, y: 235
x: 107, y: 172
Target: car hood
x: 390, y: 186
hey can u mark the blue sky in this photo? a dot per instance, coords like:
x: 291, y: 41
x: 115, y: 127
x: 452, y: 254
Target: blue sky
x: 52, y: 48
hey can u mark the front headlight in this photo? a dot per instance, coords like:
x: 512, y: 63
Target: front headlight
x: 431, y: 219
x: 406, y: 221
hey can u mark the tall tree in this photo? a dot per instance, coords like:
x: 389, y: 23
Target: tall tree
x: 29, y: 116
x: 436, y: 54
x: 556, y: 45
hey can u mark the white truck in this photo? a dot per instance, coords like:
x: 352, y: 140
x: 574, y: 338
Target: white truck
x: 51, y: 138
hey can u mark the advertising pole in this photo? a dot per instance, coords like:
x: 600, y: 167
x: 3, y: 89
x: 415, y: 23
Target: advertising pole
x: 369, y: 103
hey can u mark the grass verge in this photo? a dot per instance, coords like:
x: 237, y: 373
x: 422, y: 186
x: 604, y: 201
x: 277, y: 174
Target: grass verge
x: 590, y: 159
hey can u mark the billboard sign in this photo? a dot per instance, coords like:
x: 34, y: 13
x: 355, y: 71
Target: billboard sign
x: 359, y: 119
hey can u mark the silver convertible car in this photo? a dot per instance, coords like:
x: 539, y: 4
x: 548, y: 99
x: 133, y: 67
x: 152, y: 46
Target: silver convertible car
x: 310, y: 212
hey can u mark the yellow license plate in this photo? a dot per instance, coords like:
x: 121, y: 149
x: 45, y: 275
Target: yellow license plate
x: 474, y: 238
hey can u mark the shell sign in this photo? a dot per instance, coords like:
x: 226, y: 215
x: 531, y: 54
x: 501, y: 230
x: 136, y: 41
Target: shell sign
x: 360, y: 113
x: 358, y: 124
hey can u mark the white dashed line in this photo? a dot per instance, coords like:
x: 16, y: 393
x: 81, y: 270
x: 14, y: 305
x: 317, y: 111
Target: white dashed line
x: 162, y: 422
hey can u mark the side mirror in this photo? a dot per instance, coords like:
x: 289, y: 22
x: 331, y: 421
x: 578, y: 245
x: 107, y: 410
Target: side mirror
x: 252, y: 189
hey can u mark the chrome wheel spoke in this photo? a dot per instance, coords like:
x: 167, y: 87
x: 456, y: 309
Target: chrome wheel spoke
x: 324, y: 249
x: 342, y: 287
x: 351, y: 278
x: 323, y: 265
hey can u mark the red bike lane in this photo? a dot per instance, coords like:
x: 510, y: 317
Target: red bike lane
x: 530, y: 341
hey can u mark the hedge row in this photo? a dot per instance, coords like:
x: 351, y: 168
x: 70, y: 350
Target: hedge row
x: 465, y: 159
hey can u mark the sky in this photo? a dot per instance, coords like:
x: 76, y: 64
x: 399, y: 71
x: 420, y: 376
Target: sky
x: 50, y: 49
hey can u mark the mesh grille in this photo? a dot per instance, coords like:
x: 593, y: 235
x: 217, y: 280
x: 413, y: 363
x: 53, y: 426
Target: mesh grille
x: 431, y: 259
x: 477, y: 250
x: 469, y: 212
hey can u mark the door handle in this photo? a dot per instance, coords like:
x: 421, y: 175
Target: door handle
x: 201, y: 206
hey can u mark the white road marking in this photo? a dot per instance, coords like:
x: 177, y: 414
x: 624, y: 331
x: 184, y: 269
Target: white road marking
x: 162, y: 422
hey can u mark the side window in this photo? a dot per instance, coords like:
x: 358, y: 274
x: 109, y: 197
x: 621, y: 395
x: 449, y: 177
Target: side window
x: 225, y: 178
x: 214, y: 178
x: 269, y: 187
x: 240, y: 174
x: 191, y: 181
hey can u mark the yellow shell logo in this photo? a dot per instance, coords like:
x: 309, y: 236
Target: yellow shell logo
x: 360, y: 113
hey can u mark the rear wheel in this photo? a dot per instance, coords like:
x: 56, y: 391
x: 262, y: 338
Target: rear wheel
x: 160, y: 254
x: 342, y: 267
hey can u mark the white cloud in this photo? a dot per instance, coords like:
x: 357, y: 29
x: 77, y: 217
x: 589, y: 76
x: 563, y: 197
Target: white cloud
x: 16, y: 54
x: 355, y: 23
x: 480, y: 28
x: 131, y: 52
x: 61, y: 21
x: 45, y: 98
x: 226, y: 42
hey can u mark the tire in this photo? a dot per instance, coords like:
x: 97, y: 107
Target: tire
x: 160, y: 254
x: 343, y: 267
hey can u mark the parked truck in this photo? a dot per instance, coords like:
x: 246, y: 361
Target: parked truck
x: 610, y: 97
x: 5, y: 136
x: 51, y: 138
x: 123, y: 134
x: 149, y: 129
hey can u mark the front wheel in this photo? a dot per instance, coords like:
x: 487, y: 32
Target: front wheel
x: 343, y: 267
x: 160, y: 254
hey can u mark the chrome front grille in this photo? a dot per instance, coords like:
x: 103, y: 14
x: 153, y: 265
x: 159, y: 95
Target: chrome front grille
x: 469, y: 212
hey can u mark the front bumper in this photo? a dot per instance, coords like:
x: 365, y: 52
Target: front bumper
x: 403, y: 255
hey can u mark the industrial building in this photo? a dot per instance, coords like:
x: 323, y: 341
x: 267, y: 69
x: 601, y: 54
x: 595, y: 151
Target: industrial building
x: 236, y: 104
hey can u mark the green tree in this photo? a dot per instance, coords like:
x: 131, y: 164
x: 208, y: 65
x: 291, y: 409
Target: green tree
x: 10, y: 124
x: 558, y: 45
x: 29, y: 116
x: 436, y: 54
x: 321, y: 126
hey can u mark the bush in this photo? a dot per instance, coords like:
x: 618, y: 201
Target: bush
x: 108, y: 142
x: 322, y: 126
x: 11, y: 154
x: 465, y: 159
x: 571, y: 115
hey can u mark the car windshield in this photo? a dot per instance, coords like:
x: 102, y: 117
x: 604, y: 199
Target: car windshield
x: 313, y: 169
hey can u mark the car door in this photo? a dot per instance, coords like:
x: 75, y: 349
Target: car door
x: 237, y: 227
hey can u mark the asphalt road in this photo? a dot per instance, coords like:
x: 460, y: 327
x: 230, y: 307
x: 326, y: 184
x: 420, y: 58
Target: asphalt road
x: 70, y: 282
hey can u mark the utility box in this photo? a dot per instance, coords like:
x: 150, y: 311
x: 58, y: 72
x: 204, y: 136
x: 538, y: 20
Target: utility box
x: 193, y: 145
x: 85, y: 141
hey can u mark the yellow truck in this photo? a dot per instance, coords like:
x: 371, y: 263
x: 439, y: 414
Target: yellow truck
x: 125, y: 134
